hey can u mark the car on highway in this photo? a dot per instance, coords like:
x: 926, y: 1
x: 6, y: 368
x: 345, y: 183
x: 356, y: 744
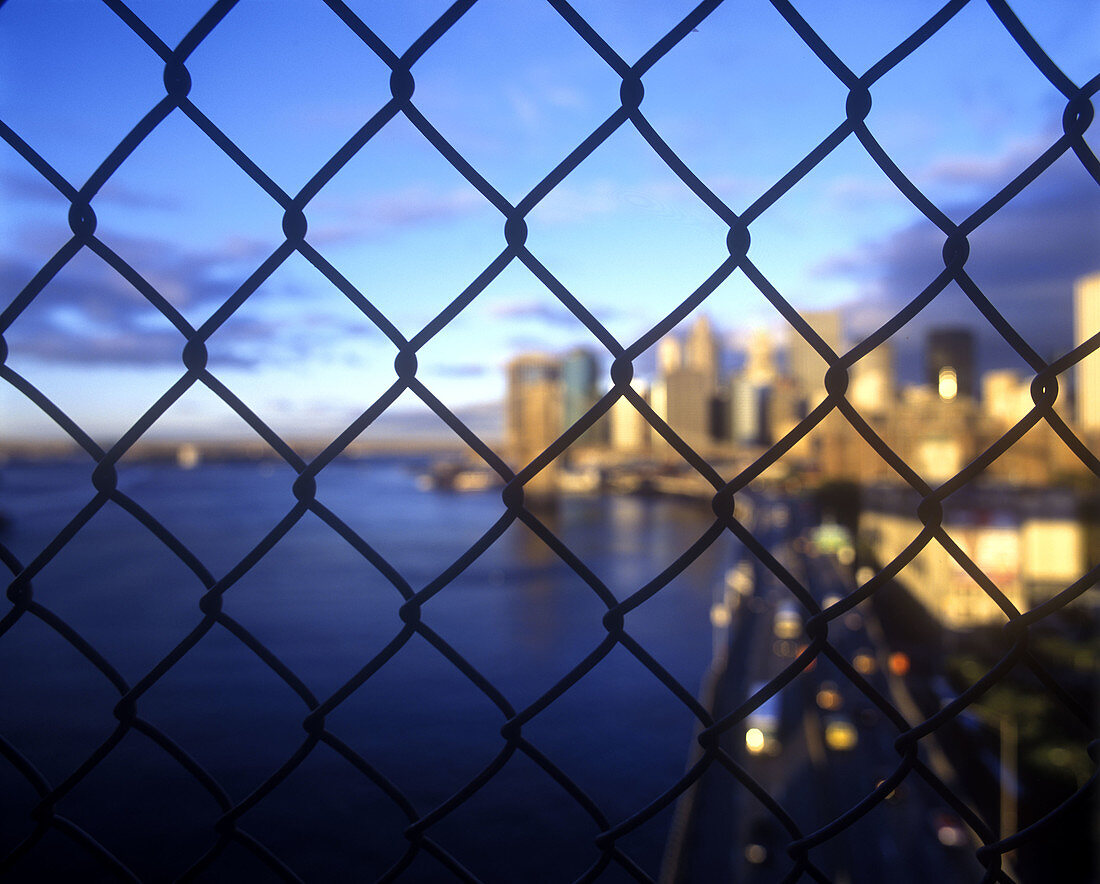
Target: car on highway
x: 761, y: 839
x: 840, y: 734
x: 739, y: 578
x: 762, y: 724
x: 950, y: 831
x: 828, y: 696
x: 864, y: 662
x: 787, y: 623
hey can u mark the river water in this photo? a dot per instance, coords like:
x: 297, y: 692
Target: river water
x: 518, y: 614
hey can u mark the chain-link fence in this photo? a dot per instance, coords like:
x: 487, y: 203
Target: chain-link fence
x: 48, y: 814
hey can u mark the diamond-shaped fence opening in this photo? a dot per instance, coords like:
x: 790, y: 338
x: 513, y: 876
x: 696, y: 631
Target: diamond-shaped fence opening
x: 341, y: 675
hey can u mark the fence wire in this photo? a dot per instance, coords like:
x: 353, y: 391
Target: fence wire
x: 49, y: 816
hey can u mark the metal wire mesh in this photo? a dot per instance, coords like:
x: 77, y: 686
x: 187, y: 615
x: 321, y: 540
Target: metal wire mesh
x: 49, y: 814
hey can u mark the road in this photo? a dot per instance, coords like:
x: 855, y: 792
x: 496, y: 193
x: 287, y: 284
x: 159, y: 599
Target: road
x: 821, y: 746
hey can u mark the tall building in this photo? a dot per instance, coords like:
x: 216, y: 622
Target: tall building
x: 688, y: 406
x: 579, y: 372
x: 1086, y: 323
x: 628, y: 430
x: 949, y: 363
x: 782, y: 409
x: 670, y: 355
x: 687, y: 380
x: 1006, y: 397
x: 871, y: 385
x: 807, y: 368
x: 748, y: 411
x: 534, y: 416
x: 760, y: 365
x: 702, y: 352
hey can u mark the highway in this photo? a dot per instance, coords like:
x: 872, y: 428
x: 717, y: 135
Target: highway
x: 820, y: 747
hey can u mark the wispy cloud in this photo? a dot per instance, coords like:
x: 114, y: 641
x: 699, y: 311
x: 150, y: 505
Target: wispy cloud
x: 461, y: 369
x: 88, y: 314
x: 986, y: 170
x: 534, y: 310
x: 28, y: 186
x: 345, y: 219
x: 570, y: 202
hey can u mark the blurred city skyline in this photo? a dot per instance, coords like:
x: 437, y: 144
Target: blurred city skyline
x: 514, y: 89
x: 730, y: 403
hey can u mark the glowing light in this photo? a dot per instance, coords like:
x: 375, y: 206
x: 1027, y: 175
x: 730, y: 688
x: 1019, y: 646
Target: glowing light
x: 841, y: 735
x: 949, y: 383
x: 899, y: 663
x: 754, y: 740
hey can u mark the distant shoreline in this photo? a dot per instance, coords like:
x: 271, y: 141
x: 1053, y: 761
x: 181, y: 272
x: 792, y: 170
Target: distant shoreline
x: 234, y: 450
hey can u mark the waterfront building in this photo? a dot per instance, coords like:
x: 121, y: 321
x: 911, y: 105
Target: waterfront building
x: 949, y: 363
x: 533, y: 415
x: 578, y: 380
x: 1031, y: 542
x: 1086, y: 323
x: 579, y: 373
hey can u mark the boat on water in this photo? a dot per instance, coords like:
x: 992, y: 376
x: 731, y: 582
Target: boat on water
x: 461, y: 477
x: 188, y: 456
x: 579, y: 481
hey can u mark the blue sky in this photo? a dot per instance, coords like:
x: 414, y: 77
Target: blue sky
x: 741, y: 100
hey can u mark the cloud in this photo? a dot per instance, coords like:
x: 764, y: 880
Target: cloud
x: 419, y: 422
x: 986, y: 170
x: 851, y: 191
x: 570, y: 202
x: 346, y: 219
x: 88, y: 314
x: 32, y: 188
x: 969, y: 174
x: 1025, y: 259
x: 534, y: 310
x: 462, y: 369
x: 25, y: 186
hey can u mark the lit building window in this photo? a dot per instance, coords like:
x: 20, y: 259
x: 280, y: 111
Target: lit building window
x: 948, y: 383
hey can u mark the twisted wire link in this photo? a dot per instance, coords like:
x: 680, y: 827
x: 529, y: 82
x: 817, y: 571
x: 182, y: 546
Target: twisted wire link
x: 414, y: 612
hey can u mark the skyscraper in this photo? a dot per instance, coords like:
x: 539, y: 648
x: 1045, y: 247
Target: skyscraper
x: 688, y: 405
x: 748, y: 411
x: 760, y: 358
x: 534, y: 411
x: 702, y: 352
x: 949, y: 362
x: 1086, y: 323
x: 670, y: 355
x: 579, y: 370
x: 629, y: 431
x: 871, y: 381
x: 807, y: 368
